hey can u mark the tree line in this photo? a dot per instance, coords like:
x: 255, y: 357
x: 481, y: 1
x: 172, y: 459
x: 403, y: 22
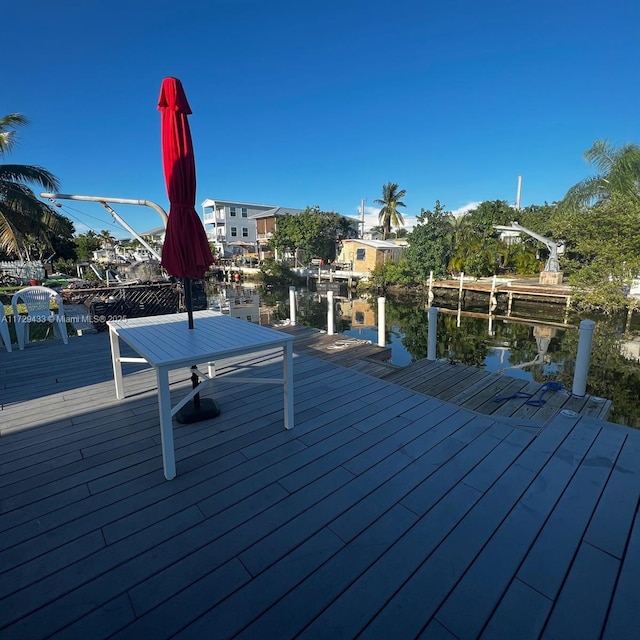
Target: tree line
x: 599, y: 220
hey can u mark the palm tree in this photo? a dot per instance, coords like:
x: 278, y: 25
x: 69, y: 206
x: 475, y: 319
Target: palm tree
x: 618, y: 174
x: 106, y: 238
x: 389, y: 214
x: 21, y: 213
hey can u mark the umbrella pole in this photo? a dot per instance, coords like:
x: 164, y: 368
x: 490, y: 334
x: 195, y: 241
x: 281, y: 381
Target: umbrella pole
x: 199, y: 408
x: 188, y: 300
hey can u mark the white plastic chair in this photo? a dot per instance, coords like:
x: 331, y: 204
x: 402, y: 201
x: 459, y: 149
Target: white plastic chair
x: 4, y: 329
x: 37, y: 300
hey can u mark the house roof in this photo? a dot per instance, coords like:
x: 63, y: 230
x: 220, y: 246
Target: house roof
x: 374, y: 244
x: 156, y: 231
x: 211, y: 202
x: 276, y: 212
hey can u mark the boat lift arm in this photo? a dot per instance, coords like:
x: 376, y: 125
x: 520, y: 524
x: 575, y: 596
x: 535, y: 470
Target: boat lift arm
x: 556, y: 247
x: 103, y: 201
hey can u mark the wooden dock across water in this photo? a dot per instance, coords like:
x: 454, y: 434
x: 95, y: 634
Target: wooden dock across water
x: 383, y: 513
x: 469, y: 387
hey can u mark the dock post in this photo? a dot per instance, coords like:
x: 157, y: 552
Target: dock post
x: 292, y: 305
x: 430, y: 294
x: 461, y: 285
x: 431, y: 336
x: 582, y: 358
x: 330, y: 313
x: 381, y: 303
x: 493, y: 302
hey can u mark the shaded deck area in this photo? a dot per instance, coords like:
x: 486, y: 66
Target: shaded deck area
x: 385, y: 513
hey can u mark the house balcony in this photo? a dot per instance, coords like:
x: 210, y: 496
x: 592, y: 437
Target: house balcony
x: 211, y: 217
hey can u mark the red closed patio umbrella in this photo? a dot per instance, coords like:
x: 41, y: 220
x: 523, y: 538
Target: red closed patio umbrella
x: 186, y: 253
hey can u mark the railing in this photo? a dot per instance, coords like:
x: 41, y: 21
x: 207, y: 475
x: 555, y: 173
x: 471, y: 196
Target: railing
x: 23, y: 271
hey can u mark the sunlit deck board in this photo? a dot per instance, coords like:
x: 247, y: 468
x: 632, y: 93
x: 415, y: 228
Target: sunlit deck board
x: 466, y: 386
x: 384, y: 511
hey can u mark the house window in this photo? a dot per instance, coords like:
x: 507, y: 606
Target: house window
x: 360, y: 254
x: 244, y: 212
x: 245, y: 232
x: 232, y: 212
x: 359, y: 317
x: 234, y: 232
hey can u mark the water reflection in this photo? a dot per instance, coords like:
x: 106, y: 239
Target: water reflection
x: 531, y: 341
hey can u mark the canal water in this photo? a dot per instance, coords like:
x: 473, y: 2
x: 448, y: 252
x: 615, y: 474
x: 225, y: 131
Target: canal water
x: 531, y: 341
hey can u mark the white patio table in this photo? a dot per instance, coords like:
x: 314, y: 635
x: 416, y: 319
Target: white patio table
x: 166, y: 343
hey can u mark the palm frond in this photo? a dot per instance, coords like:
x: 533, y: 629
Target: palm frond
x: 29, y: 174
x: 7, y: 134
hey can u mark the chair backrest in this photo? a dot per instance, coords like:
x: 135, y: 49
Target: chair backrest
x: 37, y: 301
x: 4, y: 329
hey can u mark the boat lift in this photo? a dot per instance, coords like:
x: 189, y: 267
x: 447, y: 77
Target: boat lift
x: 117, y: 218
x: 556, y: 247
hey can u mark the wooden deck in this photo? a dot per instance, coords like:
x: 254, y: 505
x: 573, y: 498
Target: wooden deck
x: 498, y: 395
x: 384, y: 514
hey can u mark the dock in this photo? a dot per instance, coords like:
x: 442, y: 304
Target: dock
x: 515, y: 400
x: 506, y: 290
x: 384, y: 513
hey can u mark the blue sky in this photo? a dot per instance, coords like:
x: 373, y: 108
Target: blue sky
x: 320, y: 102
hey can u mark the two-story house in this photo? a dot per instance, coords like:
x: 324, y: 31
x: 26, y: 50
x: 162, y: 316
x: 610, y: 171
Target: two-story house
x: 240, y: 227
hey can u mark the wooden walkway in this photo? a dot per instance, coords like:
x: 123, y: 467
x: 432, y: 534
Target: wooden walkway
x: 470, y: 387
x: 384, y: 514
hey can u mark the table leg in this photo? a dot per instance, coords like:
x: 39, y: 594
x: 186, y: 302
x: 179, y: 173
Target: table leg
x: 287, y: 365
x: 166, y: 426
x: 115, y: 362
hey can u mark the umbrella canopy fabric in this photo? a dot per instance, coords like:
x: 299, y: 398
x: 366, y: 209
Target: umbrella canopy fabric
x: 186, y: 252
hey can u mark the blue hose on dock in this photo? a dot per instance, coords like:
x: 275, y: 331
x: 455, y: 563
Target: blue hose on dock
x: 532, y: 400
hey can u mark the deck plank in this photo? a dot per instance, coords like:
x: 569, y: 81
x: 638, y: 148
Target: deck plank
x: 385, y: 511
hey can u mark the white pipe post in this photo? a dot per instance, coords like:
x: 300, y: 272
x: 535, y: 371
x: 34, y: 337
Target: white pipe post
x: 582, y: 358
x: 292, y: 305
x: 381, y: 303
x: 431, y: 339
x: 330, y: 313
x: 461, y: 285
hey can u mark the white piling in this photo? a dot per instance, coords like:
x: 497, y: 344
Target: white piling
x: 430, y: 294
x: 493, y: 302
x: 330, y: 329
x: 461, y: 286
x: 381, y: 304
x: 583, y: 357
x: 431, y: 336
x: 292, y: 305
